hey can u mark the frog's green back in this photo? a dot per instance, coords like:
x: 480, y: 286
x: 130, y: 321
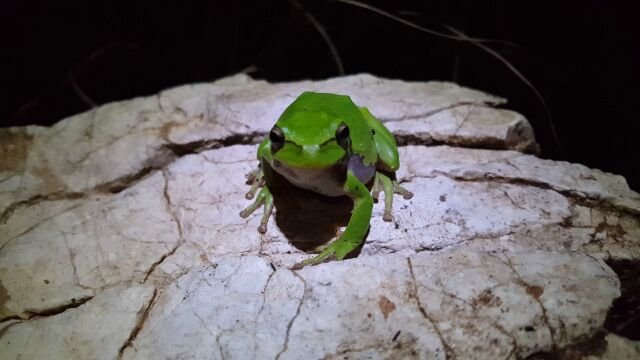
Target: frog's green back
x: 340, y: 107
x: 333, y: 104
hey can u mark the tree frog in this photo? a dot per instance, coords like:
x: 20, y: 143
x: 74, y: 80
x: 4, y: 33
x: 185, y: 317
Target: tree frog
x: 325, y: 143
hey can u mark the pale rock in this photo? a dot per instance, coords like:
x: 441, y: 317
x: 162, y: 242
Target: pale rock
x: 105, y: 241
x: 95, y: 330
x: 109, y: 145
x: 618, y: 348
x: 428, y: 306
x: 120, y: 235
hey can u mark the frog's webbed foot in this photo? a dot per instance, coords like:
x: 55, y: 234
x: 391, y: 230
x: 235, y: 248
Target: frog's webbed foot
x: 383, y: 183
x: 328, y: 252
x: 338, y: 249
x: 264, y: 198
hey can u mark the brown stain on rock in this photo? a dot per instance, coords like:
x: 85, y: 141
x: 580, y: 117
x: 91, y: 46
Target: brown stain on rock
x: 4, y: 297
x: 51, y: 182
x: 613, y: 231
x: 535, y: 291
x: 167, y: 128
x: 486, y: 298
x: 14, y: 149
x: 386, y: 306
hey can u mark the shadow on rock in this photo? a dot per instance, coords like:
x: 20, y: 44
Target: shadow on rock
x: 306, y: 218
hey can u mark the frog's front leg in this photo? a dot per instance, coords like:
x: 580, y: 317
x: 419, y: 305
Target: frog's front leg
x: 383, y: 183
x: 256, y: 178
x: 264, y: 198
x: 357, y: 227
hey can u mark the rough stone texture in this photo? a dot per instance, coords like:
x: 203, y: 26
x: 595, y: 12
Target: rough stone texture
x: 109, y: 145
x: 120, y: 236
x: 619, y: 348
x: 90, y: 331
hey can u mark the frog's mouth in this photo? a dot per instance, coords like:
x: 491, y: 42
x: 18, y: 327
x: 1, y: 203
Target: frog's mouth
x: 309, y: 156
x: 297, y: 172
x: 327, y: 181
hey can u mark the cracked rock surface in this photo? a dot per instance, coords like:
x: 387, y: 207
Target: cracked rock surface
x: 120, y: 236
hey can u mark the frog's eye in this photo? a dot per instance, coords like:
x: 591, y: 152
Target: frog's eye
x: 342, y: 135
x: 277, y: 138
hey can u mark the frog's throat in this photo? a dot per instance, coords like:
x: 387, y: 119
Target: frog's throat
x: 326, y: 181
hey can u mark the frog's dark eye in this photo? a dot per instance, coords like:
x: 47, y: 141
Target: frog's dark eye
x: 342, y: 135
x: 277, y: 138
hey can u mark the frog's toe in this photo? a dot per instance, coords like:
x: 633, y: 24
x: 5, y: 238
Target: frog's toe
x: 265, y: 199
x: 397, y: 189
x: 406, y: 194
x: 246, y: 212
x: 387, y: 216
x: 252, y: 175
x: 256, y: 182
x: 327, y: 253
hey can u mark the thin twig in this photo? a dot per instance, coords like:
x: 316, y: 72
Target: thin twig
x: 78, y: 90
x: 423, y: 29
x: 460, y: 36
x: 318, y: 26
x: 519, y: 75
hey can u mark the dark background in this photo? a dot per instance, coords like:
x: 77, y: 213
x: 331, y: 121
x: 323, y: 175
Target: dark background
x: 59, y: 58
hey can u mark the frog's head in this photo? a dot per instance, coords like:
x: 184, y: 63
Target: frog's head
x: 312, y: 140
x: 320, y: 130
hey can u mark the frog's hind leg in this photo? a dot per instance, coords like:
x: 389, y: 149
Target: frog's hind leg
x: 264, y: 198
x: 321, y: 248
x: 389, y: 187
x: 356, y: 229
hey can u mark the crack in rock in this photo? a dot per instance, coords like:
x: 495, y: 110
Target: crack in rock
x: 430, y: 113
x: 72, y: 260
x: 6, y: 214
x: 7, y: 327
x: 176, y: 219
x: 295, y: 316
x: 143, y: 314
x: 579, y: 197
x: 35, y: 225
x: 425, y: 139
x: 534, y: 291
x: 124, y: 182
x: 159, y: 261
x: 31, y: 314
x: 199, y: 146
x: 264, y: 300
x: 157, y: 162
x: 448, y: 352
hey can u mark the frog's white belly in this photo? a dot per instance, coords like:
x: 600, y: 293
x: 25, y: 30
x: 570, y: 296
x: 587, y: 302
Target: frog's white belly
x: 323, y: 181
